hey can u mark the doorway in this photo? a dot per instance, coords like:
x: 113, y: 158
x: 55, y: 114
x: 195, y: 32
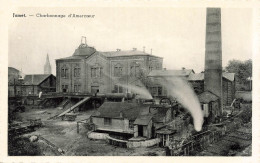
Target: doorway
x: 140, y: 130
x: 94, y: 89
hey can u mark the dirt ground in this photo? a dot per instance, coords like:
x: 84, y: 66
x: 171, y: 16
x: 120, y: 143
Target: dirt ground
x: 63, y: 134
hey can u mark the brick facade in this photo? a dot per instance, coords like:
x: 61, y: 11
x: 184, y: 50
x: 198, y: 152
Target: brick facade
x: 88, y: 70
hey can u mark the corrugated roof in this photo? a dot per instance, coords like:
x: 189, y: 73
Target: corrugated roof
x: 207, y: 97
x: 143, y: 120
x: 35, y: 79
x: 200, y: 76
x: 183, y: 72
x: 128, y: 110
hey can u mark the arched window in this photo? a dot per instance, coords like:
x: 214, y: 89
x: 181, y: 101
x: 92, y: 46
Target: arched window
x: 118, y: 70
x: 64, y: 72
x: 134, y: 69
x: 96, y: 71
x: 77, y: 71
x: 118, y: 89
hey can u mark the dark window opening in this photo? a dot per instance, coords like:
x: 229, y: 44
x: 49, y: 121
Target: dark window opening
x: 107, y: 121
x: 118, y: 71
x: 64, y: 72
x: 77, y: 88
x: 64, y: 88
x: 159, y: 91
x: 96, y: 72
x: 118, y: 89
x: 131, y: 124
x: 76, y: 72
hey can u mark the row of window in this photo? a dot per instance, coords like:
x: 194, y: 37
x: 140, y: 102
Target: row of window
x: 151, y: 68
x: 65, y: 72
x: 108, y: 122
x: 65, y: 87
x: 77, y: 88
x: 97, y: 71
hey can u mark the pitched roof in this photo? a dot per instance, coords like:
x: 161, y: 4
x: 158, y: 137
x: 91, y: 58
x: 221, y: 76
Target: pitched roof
x: 128, y: 110
x: 35, y: 79
x: 196, y: 77
x: 126, y: 53
x: 73, y: 57
x: 166, y: 130
x: 84, y: 50
x: 183, y: 72
x: 200, y: 76
x: 229, y: 76
x: 160, y: 114
x: 207, y: 97
x: 143, y: 119
x: 12, y: 70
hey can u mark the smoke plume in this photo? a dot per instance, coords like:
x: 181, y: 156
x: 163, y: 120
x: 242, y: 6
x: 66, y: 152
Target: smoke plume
x: 142, y: 91
x: 184, y: 94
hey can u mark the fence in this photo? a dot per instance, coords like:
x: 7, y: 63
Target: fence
x: 200, y: 141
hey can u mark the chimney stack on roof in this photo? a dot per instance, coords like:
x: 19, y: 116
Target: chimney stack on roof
x: 144, y: 49
x: 151, y: 51
x: 83, y: 40
x: 118, y: 50
x: 134, y: 49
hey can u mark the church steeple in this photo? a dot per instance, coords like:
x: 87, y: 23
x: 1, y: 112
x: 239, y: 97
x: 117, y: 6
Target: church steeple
x: 47, y: 66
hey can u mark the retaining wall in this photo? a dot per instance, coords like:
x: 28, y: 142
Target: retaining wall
x: 145, y: 143
x: 99, y: 136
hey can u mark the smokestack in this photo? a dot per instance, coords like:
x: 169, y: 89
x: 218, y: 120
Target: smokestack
x: 213, y: 54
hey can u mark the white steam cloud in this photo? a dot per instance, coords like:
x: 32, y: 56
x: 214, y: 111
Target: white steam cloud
x: 184, y: 94
x: 142, y: 91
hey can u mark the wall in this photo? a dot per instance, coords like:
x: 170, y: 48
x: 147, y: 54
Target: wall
x: 96, y: 135
x: 154, y: 85
x: 97, y: 61
x: 146, y: 143
x: 117, y: 125
x: 108, y: 80
x: 198, y: 86
x: 71, y: 80
x: 228, y: 92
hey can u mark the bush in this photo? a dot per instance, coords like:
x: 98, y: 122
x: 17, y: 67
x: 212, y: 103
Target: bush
x: 22, y: 146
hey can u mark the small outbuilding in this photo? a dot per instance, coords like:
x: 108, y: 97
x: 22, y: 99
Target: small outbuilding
x: 210, y: 105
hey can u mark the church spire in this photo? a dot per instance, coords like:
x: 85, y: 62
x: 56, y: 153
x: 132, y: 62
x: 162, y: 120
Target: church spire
x: 47, y: 66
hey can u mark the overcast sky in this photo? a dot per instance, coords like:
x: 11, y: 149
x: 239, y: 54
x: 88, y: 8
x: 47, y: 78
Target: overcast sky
x: 176, y: 34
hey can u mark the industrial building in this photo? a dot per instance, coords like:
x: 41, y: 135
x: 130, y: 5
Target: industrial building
x: 91, y: 71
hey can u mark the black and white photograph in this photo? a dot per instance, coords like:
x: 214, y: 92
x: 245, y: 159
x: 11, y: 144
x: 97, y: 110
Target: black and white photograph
x: 130, y: 81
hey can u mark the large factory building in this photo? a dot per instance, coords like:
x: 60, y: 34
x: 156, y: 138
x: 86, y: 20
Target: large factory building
x: 92, y: 71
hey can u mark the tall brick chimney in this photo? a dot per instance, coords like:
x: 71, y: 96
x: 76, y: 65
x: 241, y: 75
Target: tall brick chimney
x: 213, y: 54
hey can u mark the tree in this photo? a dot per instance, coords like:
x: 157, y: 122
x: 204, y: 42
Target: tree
x: 242, y: 70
